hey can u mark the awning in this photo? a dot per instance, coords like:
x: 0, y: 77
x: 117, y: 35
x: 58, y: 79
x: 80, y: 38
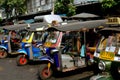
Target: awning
x: 85, y: 15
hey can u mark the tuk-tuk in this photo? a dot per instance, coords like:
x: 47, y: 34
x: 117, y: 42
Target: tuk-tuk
x: 107, y: 53
x: 33, y: 41
x: 32, y: 48
x: 11, y: 38
x: 66, y: 47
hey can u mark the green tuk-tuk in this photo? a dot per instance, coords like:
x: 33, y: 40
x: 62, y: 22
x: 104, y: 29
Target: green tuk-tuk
x: 107, y: 53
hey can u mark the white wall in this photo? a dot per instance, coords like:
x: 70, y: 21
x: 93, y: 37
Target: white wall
x: 83, y: 2
x: 2, y: 14
x: 35, y: 6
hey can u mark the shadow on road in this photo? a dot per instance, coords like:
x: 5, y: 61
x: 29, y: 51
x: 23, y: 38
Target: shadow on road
x: 70, y: 73
x: 79, y: 73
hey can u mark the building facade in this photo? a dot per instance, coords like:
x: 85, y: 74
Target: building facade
x: 46, y: 6
x: 35, y: 6
x: 85, y: 2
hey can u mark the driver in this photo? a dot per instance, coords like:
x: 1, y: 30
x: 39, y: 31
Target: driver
x: 15, y: 39
x: 52, y: 37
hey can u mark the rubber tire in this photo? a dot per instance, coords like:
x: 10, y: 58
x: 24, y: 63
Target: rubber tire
x: 95, y: 69
x: 5, y: 54
x: 41, y: 75
x: 114, y: 71
x: 18, y: 60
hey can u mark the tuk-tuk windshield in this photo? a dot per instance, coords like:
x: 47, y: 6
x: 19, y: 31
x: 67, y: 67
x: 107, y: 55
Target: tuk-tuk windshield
x: 109, y: 43
x: 28, y: 35
x: 52, y: 37
x: 38, y: 36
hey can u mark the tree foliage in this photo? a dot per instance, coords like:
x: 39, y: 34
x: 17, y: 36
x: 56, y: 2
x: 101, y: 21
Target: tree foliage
x: 111, y: 6
x: 18, y: 6
x: 110, y: 3
x: 65, y: 7
x: 0, y: 19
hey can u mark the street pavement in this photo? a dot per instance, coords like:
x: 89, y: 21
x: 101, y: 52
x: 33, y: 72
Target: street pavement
x: 10, y: 71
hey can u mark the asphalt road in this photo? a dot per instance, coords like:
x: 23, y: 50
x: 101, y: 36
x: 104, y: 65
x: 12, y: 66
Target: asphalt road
x: 10, y: 71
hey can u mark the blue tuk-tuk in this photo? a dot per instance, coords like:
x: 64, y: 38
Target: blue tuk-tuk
x: 32, y: 48
x: 12, y: 37
x: 10, y: 45
x: 33, y: 41
x: 66, y: 48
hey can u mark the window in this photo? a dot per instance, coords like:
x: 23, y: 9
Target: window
x: 43, y: 2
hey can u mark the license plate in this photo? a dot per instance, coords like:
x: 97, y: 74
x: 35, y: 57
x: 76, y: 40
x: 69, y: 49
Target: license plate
x: 107, y: 55
x: 48, y: 44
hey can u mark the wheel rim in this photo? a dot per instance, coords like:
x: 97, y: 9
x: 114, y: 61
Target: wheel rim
x: 2, y: 54
x: 23, y: 60
x: 46, y: 73
x: 119, y: 70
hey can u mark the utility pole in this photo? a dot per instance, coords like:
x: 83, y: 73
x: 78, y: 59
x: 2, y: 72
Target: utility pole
x: 53, y: 9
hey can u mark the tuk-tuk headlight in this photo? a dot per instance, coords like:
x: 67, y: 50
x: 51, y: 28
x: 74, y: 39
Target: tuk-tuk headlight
x: 101, y: 65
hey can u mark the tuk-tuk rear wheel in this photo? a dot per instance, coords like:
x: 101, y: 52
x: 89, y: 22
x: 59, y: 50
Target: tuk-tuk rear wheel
x: 44, y: 72
x: 22, y: 60
x: 3, y: 54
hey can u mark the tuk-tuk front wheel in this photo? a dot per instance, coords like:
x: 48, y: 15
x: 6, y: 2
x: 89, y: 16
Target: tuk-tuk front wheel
x: 45, y: 72
x: 22, y: 60
x: 3, y: 54
x: 115, y: 71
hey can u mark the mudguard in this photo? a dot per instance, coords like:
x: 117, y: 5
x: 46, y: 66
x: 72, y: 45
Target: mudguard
x: 3, y: 47
x: 46, y: 58
x: 22, y: 51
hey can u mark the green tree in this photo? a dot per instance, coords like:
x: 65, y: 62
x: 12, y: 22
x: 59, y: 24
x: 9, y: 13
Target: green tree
x: 108, y: 3
x: 111, y: 7
x: 0, y: 19
x: 18, y: 6
x: 65, y: 7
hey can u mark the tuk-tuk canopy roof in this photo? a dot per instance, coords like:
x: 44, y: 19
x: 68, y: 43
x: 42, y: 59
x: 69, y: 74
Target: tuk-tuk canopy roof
x: 35, y: 26
x: 24, y: 26
x: 110, y: 30
x: 41, y: 27
x: 85, y: 15
x: 14, y: 27
x: 77, y: 26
